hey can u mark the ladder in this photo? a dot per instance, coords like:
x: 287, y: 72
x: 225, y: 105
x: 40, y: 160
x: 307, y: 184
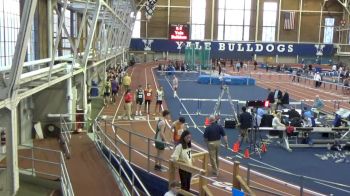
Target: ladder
x: 217, y: 107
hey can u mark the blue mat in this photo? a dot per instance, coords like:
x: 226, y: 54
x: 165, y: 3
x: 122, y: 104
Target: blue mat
x: 300, y: 161
x: 228, y: 80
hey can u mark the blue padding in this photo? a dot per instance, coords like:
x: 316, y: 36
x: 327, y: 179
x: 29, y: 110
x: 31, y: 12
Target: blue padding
x: 228, y: 80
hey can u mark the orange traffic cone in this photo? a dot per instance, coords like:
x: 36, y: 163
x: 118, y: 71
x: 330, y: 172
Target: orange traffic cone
x: 235, y: 147
x: 263, y: 147
x: 206, y: 122
x: 246, y: 153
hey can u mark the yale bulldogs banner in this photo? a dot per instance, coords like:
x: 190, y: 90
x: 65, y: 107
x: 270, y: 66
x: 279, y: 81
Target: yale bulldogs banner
x: 233, y: 49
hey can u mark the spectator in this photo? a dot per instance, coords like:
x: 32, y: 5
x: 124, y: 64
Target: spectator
x: 270, y: 96
x: 126, y: 81
x: 318, y: 104
x: 285, y: 99
x: 277, y: 97
x: 318, y: 79
x: 128, y: 103
x: 219, y: 68
x: 294, y: 74
x: 173, y: 189
x: 307, y: 113
x: 310, y: 69
x: 183, y: 154
x: 292, y: 113
x: 177, y: 128
x: 212, y: 136
x: 255, y: 65
x: 276, y: 122
x: 245, y: 121
x: 160, y: 140
x: 238, y: 66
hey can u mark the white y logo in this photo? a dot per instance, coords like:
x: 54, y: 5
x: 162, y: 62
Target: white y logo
x: 147, y: 43
x: 319, y: 49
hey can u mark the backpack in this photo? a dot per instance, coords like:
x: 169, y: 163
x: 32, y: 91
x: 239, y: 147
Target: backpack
x: 290, y: 130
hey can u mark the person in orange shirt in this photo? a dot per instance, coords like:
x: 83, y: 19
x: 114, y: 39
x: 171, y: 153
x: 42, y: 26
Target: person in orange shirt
x: 148, y: 98
x: 177, y: 128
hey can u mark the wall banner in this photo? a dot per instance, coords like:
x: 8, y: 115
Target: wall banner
x: 234, y: 49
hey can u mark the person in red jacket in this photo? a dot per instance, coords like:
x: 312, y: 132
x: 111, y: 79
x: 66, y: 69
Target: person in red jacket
x: 128, y: 102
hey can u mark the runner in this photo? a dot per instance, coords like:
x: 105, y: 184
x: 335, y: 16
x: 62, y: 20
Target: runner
x: 175, y: 85
x: 139, y: 96
x: 107, y: 93
x: 148, y: 98
x: 160, y: 97
x: 177, y: 128
x: 115, y: 88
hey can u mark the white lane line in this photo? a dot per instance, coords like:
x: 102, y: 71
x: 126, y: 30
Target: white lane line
x: 255, y: 172
x: 121, y: 99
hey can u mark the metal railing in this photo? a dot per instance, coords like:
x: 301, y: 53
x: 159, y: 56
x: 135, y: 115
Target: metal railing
x: 302, y: 180
x: 52, y: 169
x: 104, y: 142
x: 66, y: 129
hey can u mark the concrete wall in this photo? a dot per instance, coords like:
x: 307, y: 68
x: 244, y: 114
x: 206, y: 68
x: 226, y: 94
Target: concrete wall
x: 52, y: 100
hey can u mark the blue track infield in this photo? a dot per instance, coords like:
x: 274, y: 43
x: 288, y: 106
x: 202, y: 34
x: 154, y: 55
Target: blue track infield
x: 301, y: 161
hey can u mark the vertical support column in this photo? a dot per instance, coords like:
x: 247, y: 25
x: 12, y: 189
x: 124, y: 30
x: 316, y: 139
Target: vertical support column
x: 87, y: 50
x: 278, y: 26
x: 256, y: 24
x: 11, y: 152
x: 49, y: 29
x: 257, y: 20
x: 212, y: 20
x: 299, y: 21
x: 16, y: 71
x: 320, y: 25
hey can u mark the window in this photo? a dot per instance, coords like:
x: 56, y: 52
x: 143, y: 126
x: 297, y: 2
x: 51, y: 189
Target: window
x: 32, y: 43
x: 136, y: 32
x: 237, y: 29
x: 269, y: 21
x: 328, y: 30
x: 9, y: 28
x: 66, y: 47
x: 198, y: 19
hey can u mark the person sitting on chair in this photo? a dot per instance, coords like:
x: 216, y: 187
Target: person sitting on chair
x: 292, y: 113
x: 276, y: 122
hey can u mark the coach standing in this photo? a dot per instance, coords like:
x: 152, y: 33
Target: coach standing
x: 212, y: 136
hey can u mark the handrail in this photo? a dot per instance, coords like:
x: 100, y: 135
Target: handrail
x: 238, y: 181
x: 65, y: 136
x: 66, y: 186
x: 113, y: 149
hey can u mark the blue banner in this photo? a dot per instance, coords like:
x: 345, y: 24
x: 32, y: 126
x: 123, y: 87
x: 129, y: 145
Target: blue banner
x: 231, y: 50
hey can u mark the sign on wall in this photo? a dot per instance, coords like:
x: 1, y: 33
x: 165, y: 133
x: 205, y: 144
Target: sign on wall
x: 233, y: 50
x: 179, y: 32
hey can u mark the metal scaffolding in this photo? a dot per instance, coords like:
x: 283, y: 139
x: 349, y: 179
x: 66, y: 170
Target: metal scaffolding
x: 104, y: 34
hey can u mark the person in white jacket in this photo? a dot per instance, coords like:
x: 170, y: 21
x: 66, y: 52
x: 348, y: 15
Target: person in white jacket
x: 183, y: 153
x: 318, y: 79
